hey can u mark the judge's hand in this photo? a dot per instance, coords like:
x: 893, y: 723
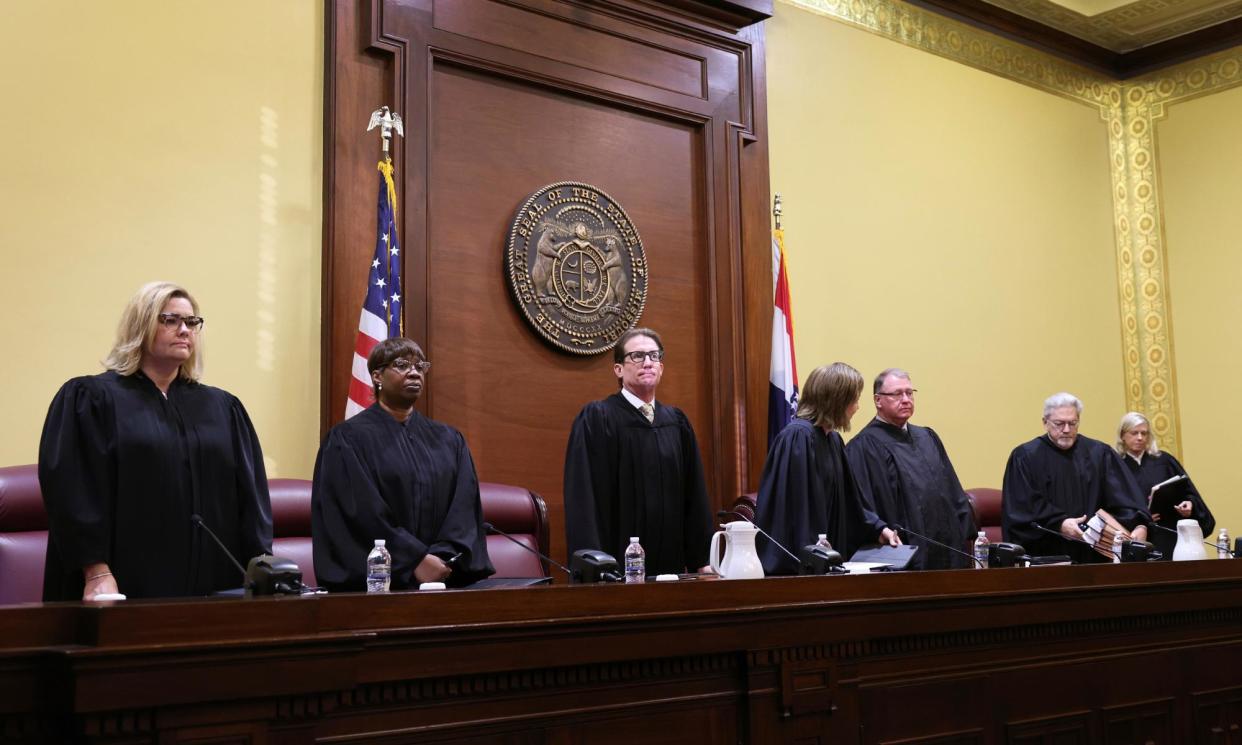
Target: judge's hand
x: 1070, y: 529
x: 432, y: 569
x: 1185, y: 508
x: 1155, y: 516
x: 706, y: 569
x: 889, y: 536
x: 103, y: 582
x: 1139, y: 533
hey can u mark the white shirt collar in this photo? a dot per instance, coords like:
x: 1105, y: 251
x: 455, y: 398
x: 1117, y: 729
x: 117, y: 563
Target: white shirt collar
x: 1136, y: 458
x: 635, y: 401
x: 903, y: 428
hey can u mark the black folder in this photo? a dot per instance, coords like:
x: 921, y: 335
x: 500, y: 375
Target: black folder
x: 896, y: 557
x: 1168, y: 496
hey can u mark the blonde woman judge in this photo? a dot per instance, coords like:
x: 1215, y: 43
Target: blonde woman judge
x: 1140, y: 452
x: 128, y: 455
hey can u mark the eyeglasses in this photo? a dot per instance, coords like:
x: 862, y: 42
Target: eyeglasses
x: 637, y: 357
x: 900, y: 394
x: 402, y: 365
x: 1060, y: 425
x: 174, y: 321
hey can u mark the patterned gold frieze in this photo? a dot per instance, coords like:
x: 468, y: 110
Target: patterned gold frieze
x: 1130, y: 111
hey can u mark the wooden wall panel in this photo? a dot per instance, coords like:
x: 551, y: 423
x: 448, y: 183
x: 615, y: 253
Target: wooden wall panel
x: 653, y: 103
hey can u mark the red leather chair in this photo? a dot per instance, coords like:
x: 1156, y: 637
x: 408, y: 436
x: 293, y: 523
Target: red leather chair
x: 291, y: 524
x: 522, y: 514
x: 23, y: 535
x: 985, y: 502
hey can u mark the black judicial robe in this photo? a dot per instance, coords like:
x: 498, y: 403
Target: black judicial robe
x: 122, y: 468
x: 905, y: 478
x: 807, y: 488
x: 1155, y: 469
x: 1046, y: 484
x: 625, y: 476
x: 410, y: 483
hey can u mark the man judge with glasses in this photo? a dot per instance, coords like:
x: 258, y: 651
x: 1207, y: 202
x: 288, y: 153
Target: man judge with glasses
x: 905, y: 479
x: 632, y: 468
x: 1059, y: 479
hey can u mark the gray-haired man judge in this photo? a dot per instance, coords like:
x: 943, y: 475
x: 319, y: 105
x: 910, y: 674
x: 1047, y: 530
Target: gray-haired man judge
x: 905, y: 478
x: 1059, y: 479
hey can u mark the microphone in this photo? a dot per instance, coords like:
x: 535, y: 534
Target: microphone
x: 938, y: 543
x: 493, y: 529
x: 1232, y: 554
x: 762, y: 532
x: 199, y: 522
x: 266, y: 575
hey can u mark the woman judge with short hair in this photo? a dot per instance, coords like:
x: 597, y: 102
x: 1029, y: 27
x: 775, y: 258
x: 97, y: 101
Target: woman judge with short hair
x: 127, y: 456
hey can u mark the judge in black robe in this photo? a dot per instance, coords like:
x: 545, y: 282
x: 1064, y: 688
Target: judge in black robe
x: 905, y: 478
x: 807, y: 486
x: 1149, y: 466
x: 389, y: 472
x: 1062, y: 476
x: 626, y: 475
x: 127, y: 456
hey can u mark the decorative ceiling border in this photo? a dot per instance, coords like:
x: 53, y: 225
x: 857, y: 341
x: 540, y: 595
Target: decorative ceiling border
x: 1130, y: 111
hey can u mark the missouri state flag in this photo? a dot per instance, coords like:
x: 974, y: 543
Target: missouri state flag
x: 783, y: 372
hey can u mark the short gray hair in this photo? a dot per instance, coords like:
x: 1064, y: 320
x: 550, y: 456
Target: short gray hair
x: 896, y: 372
x: 1060, y: 400
x: 1131, y: 420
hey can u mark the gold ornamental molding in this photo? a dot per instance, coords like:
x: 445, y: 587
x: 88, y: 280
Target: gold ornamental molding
x: 1130, y: 111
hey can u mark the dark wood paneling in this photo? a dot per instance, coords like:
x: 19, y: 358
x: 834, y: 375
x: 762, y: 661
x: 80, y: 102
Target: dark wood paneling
x: 1074, y: 654
x: 660, y: 106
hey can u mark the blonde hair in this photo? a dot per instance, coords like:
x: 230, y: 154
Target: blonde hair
x: 829, y: 392
x: 137, y: 329
x: 1131, y: 420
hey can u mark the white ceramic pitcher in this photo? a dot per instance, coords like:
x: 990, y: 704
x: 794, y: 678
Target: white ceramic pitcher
x: 741, y: 560
x: 1189, y: 541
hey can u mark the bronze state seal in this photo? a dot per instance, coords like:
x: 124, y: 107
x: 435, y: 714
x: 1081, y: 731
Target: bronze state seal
x: 576, y: 267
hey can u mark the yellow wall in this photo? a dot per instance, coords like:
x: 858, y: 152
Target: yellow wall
x: 1201, y: 157
x: 948, y: 221
x: 156, y: 140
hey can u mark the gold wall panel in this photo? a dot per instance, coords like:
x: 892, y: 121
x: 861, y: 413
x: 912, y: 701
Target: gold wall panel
x: 1130, y: 111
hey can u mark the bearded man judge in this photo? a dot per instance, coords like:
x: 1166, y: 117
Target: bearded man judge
x: 905, y: 478
x: 632, y: 468
x: 1060, y: 479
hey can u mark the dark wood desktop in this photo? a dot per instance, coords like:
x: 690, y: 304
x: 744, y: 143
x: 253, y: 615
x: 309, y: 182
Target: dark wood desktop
x: 1115, y: 654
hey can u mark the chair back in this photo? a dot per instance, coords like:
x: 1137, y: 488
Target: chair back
x: 985, y: 502
x: 23, y: 535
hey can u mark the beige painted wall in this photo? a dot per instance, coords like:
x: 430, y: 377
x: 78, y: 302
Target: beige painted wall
x: 1200, y: 159
x: 948, y: 221
x: 154, y: 140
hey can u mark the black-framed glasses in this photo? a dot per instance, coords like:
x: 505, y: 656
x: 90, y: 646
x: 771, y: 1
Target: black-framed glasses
x: 898, y: 395
x: 174, y: 321
x: 638, y: 356
x: 402, y: 365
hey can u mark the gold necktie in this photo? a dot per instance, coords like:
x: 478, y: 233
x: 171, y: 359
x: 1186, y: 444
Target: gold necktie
x: 648, y: 411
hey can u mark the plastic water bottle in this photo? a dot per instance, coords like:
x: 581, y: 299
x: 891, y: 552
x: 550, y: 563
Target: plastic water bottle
x: 981, y: 550
x: 1117, y: 539
x: 1222, y: 545
x: 379, y: 568
x: 822, y: 542
x: 635, y: 562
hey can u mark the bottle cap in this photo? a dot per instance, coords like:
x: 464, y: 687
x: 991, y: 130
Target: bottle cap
x: 633, y: 539
x: 823, y: 537
x: 379, y: 542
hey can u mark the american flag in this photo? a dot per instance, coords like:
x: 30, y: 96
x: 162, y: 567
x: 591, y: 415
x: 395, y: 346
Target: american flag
x: 381, y: 309
x: 783, y: 370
